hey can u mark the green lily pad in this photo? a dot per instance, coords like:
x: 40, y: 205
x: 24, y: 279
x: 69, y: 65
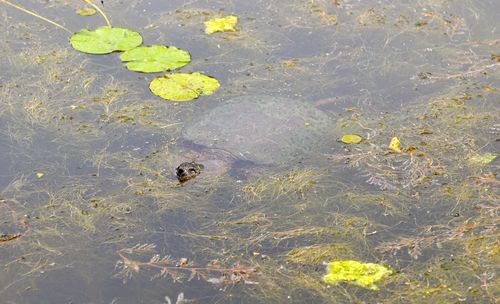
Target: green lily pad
x: 353, y: 272
x: 155, y: 58
x: 183, y: 87
x: 226, y: 24
x: 104, y: 40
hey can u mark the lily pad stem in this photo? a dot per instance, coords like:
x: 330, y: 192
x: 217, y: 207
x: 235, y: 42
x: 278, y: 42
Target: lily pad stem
x: 100, y: 12
x: 36, y: 15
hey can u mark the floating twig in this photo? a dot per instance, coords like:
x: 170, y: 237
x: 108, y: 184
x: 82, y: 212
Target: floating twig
x: 180, y: 269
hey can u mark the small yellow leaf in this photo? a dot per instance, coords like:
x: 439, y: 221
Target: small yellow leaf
x: 394, y: 145
x: 86, y: 11
x: 40, y: 175
x: 351, y: 139
x: 489, y: 89
x: 226, y: 24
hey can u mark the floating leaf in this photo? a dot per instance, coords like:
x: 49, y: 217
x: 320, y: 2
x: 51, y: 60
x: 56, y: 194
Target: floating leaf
x: 483, y: 159
x: 226, y: 24
x: 86, y: 11
x: 353, y: 272
x: 104, y: 40
x: 489, y: 89
x: 183, y: 87
x: 155, y: 58
x: 351, y: 139
x: 395, y: 144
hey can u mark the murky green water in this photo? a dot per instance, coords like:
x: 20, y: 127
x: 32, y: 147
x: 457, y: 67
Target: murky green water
x: 88, y: 194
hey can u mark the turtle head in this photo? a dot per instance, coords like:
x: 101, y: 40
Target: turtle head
x: 187, y: 171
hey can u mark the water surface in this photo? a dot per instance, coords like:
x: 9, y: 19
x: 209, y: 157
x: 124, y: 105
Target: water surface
x: 88, y: 156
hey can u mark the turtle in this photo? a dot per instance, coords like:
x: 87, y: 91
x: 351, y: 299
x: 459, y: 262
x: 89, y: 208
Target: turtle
x: 256, y: 129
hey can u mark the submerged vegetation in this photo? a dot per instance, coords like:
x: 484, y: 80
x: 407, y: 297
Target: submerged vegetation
x: 296, y: 182
x: 88, y: 157
x: 181, y: 269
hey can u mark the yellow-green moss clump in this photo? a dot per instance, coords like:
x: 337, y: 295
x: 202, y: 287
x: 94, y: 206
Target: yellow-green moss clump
x: 353, y: 272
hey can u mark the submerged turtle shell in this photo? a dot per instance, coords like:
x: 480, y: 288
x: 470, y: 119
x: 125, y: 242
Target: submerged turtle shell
x: 261, y: 129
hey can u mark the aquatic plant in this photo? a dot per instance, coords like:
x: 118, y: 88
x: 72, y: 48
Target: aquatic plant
x: 351, y: 139
x: 108, y: 39
x: 297, y: 181
x: 180, y: 269
x: 155, y: 58
x: 183, y: 87
x: 104, y: 40
x: 319, y: 253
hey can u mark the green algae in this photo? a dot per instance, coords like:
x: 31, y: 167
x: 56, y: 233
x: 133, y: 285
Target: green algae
x: 225, y: 24
x: 353, y: 272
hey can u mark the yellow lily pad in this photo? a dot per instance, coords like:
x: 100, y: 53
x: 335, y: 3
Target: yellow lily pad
x: 183, y: 87
x: 353, y: 272
x: 226, y: 24
x: 351, y: 139
x: 395, y: 144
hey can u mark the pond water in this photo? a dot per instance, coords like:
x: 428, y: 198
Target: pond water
x: 91, y: 211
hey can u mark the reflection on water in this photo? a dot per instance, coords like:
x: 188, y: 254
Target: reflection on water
x: 88, y: 156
